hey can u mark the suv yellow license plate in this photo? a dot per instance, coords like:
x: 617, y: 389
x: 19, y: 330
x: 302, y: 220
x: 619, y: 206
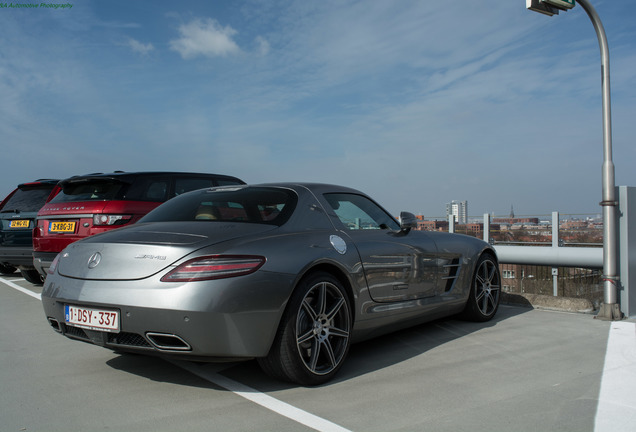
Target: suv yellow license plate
x: 92, y: 319
x: 19, y: 223
x: 62, y: 227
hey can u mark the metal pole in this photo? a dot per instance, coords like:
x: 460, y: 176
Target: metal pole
x: 487, y: 227
x: 610, y: 310
x: 555, y: 244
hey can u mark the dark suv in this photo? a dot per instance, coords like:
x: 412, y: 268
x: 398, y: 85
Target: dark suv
x: 95, y: 203
x: 17, y: 217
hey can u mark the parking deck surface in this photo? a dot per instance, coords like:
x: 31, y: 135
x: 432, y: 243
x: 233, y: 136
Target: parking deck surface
x: 527, y: 370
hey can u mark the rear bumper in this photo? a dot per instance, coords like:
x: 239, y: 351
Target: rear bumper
x: 229, y: 318
x: 20, y: 256
x: 42, y: 261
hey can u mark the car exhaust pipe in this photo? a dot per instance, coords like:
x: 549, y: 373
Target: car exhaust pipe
x: 55, y: 324
x: 164, y: 341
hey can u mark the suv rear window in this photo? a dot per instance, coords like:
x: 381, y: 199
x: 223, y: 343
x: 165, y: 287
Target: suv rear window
x: 156, y: 187
x: 96, y: 190
x: 28, y: 198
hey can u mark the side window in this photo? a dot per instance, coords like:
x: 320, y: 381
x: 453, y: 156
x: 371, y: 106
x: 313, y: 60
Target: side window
x: 149, y: 188
x: 157, y: 191
x: 357, y: 212
x: 183, y: 185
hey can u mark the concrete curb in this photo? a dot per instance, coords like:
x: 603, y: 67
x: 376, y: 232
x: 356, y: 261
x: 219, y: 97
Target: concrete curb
x: 539, y: 301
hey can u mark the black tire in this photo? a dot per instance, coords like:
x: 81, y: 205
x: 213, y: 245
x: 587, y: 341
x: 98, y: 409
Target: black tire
x: 32, y: 276
x: 314, y: 336
x: 7, y: 269
x: 485, y: 290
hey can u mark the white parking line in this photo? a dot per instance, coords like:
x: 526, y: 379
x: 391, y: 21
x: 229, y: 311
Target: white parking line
x: 616, y: 410
x: 272, y: 404
x: 22, y: 290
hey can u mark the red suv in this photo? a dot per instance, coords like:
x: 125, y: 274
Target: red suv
x: 94, y: 203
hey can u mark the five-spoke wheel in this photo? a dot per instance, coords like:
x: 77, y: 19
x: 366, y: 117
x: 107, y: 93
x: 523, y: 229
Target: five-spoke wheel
x: 323, y: 328
x: 314, y: 338
x: 485, y: 290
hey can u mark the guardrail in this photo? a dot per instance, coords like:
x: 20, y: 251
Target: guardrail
x: 555, y: 254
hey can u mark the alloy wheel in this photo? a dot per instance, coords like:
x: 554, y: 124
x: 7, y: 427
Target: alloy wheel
x: 487, y: 287
x: 323, y: 327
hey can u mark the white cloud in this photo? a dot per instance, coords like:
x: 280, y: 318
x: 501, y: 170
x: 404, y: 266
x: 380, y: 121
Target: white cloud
x: 204, y: 37
x: 139, y: 47
x: 262, y: 45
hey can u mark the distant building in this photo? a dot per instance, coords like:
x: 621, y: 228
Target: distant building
x: 476, y: 229
x: 512, y: 220
x: 517, y: 221
x: 433, y: 225
x: 459, y: 210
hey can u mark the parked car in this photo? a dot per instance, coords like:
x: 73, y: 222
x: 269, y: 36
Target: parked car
x: 17, y: 217
x: 96, y: 203
x: 290, y: 274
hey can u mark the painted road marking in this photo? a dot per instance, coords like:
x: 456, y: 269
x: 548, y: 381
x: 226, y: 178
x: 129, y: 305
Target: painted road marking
x: 22, y: 290
x: 616, y: 410
x: 282, y: 408
x: 266, y: 401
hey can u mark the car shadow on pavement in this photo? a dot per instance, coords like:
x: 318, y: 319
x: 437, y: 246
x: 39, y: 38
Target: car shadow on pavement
x: 158, y: 369
x: 365, y: 357
x: 382, y: 352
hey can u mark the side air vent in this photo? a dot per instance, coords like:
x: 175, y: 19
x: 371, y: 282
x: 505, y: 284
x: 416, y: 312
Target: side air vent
x: 452, y: 272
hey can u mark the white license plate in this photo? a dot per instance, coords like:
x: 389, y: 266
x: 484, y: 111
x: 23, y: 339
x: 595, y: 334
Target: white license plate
x: 92, y: 319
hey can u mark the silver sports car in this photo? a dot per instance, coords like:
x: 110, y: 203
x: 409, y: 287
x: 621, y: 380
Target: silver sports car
x: 289, y: 274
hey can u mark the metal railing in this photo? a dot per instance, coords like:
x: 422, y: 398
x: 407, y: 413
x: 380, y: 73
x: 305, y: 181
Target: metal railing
x: 559, y: 255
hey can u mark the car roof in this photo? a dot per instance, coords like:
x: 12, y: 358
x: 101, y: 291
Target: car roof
x: 39, y: 182
x: 129, y: 176
x: 317, y: 188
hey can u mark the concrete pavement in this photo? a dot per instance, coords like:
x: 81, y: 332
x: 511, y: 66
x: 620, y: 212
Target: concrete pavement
x: 527, y: 370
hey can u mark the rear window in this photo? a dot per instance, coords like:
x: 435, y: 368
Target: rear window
x: 251, y: 205
x: 95, y: 190
x: 28, y: 199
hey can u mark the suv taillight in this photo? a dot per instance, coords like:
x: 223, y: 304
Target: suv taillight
x: 106, y: 219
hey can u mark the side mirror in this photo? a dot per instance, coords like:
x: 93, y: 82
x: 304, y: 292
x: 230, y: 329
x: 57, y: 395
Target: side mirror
x: 407, y: 221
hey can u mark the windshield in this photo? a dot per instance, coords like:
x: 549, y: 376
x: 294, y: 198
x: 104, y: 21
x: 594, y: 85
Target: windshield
x: 252, y: 205
x: 28, y: 199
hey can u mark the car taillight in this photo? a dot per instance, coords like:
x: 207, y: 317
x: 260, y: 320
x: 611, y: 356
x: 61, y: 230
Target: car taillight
x: 106, y: 219
x: 214, y: 267
x: 51, y: 269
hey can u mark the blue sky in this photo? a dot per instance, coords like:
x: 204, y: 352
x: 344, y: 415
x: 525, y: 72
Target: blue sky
x: 415, y: 102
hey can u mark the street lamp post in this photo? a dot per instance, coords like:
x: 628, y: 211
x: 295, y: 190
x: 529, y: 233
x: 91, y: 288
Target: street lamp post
x: 610, y: 309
